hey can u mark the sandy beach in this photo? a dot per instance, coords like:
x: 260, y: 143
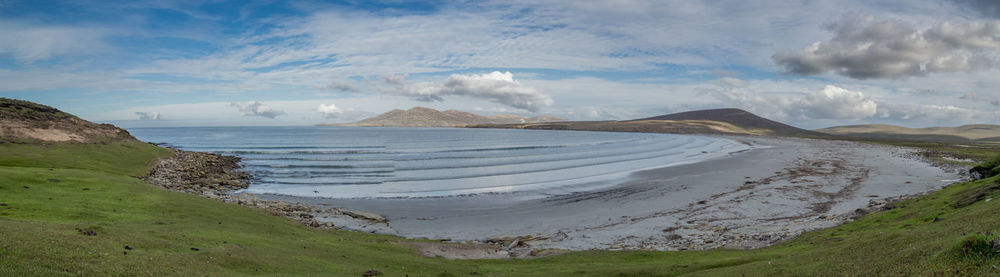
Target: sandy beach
x: 745, y: 200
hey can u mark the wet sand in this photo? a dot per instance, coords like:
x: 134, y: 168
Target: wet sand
x: 745, y: 200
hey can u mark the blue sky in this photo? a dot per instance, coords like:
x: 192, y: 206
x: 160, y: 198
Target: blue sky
x: 808, y: 63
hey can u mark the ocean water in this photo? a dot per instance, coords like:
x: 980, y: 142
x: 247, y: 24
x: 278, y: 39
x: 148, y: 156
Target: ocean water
x: 354, y: 162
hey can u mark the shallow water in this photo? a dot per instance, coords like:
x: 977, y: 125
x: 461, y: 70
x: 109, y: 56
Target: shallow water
x: 351, y: 162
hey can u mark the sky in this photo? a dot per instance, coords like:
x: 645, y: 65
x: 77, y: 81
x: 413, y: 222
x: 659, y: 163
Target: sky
x: 808, y: 63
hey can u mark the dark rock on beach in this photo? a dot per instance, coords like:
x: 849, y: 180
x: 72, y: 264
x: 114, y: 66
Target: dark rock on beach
x: 198, y: 173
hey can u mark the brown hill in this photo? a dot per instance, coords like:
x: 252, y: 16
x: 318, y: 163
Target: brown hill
x: 740, y: 118
x: 964, y: 133
x: 25, y: 122
x: 718, y: 121
x: 427, y: 117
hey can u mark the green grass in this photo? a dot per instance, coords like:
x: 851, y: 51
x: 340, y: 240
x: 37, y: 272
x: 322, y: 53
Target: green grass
x: 74, y: 188
x: 131, y: 158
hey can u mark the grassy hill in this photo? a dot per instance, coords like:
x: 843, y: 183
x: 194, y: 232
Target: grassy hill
x: 736, y: 117
x: 70, y: 209
x: 717, y: 121
x: 27, y: 122
x: 965, y: 133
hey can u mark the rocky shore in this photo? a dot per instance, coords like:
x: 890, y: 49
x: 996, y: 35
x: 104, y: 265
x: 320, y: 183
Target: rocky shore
x: 220, y: 177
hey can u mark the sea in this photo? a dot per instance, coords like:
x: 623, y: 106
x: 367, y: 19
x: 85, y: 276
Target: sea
x: 369, y: 162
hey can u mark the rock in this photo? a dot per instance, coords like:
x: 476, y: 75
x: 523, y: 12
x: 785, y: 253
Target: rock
x: 128, y: 247
x: 194, y: 249
x: 364, y: 215
x: 995, y: 242
x: 512, y: 244
x: 86, y: 232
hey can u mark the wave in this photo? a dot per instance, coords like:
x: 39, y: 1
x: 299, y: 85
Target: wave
x: 225, y: 148
x: 242, y: 152
x: 402, y: 162
x: 318, y: 166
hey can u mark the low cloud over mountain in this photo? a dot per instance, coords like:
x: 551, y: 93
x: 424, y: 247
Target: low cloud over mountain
x: 499, y: 87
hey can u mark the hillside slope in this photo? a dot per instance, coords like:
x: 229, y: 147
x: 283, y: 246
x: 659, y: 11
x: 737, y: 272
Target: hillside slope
x: 964, y: 133
x: 717, y: 121
x: 427, y: 117
x: 23, y: 121
x: 736, y: 117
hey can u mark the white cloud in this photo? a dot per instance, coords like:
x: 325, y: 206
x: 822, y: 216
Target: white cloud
x: 28, y: 43
x: 148, y: 115
x: 330, y: 110
x: 970, y: 96
x: 837, y: 103
x: 831, y: 102
x: 498, y: 87
x: 255, y: 108
x: 865, y: 49
x: 933, y: 114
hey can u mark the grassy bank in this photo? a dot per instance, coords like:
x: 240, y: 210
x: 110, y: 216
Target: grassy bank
x: 73, y: 209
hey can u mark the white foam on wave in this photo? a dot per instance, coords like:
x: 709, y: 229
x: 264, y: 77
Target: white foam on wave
x: 533, y: 184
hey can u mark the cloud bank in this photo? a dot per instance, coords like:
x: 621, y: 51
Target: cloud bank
x: 255, y: 108
x: 28, y: 43
x: 829, y: 103
x: 342, y: 87
x: 863, y: 49
x: 148, y: 115
x: 498, y: 87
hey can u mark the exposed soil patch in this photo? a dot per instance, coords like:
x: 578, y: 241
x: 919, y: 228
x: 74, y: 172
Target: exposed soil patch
x: 27, y: 122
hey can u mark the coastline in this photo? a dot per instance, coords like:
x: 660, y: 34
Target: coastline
x: 751, y: 200
x: 747, y: 201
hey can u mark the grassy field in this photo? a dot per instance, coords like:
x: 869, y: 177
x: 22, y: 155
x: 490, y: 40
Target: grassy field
x: 75, y: 210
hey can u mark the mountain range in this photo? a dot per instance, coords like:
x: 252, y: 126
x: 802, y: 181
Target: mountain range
x: 427, y: 117
x: 716, y: 121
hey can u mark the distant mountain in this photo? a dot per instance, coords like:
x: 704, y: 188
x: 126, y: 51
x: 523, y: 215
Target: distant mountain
x: 965, y: 133
x: 736, y: 117
x: 27, y: 122
x: 717, y: 121
x: 427, y: 117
